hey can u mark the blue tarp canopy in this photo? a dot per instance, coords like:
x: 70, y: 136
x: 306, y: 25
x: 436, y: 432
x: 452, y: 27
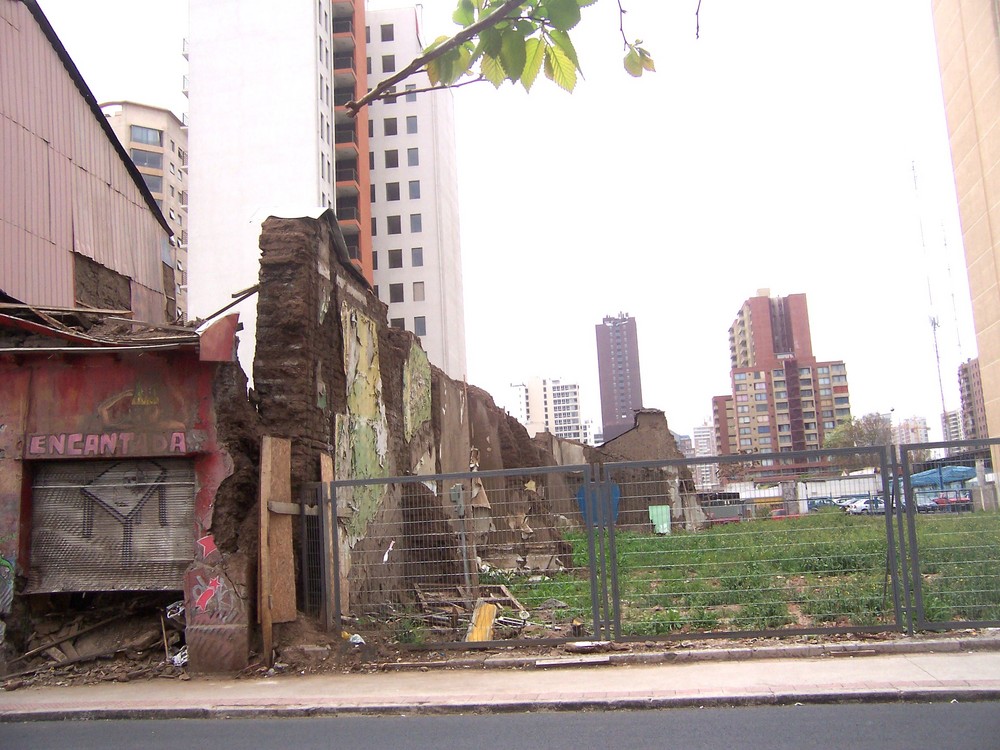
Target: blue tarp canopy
x: 942, y: 476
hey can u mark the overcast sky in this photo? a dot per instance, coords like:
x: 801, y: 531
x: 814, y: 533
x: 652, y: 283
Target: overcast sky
x: 776, y: 151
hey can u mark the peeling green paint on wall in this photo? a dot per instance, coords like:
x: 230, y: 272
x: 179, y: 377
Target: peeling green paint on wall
x: 416, y: 392
x: 362, y: 434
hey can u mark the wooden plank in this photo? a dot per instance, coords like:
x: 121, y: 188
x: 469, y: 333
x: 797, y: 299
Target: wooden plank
x: 481, y: 627
x: 291, y: 509
x: 264, y: 556
x: 279, y: 533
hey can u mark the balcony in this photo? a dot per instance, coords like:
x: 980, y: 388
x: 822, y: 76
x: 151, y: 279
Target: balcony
x: 343, y: 62
x: 345, y: 138
x: 185, y: 86
x: 342, y: 96
x: 185, y: 48
x: 346, y: 174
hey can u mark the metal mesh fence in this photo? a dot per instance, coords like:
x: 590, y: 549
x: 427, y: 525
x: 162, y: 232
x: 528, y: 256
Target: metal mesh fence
x: 804, y: 554
x: 954, y: 535
x: 809, y: 542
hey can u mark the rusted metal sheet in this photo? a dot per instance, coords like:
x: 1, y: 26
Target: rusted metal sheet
x: 112, y: 525
x: 64, y: 178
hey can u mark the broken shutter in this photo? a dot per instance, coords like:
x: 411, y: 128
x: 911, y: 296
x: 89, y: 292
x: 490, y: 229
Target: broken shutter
x: 112, y: 525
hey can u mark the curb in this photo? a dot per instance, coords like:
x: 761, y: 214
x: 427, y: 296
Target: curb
x: 805, y: 651
x: 895, y: 695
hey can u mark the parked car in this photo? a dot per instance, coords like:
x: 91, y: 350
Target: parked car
x: 954, y: 501
x: 867, y: 507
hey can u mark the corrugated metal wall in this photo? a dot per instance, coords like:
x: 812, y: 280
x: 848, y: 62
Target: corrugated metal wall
x: 63, y: 185
x: 112, y: 525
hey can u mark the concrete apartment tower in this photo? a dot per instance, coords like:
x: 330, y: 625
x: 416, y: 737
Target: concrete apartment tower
x: 269, y: 134
x: 618, y: 371
x: 705, y: 476
x: 550, y: 405
x: 417, y: 258
x: 970, y: 388
x: 968, y: 41
x: 783, y: 399
x: 157, y: 142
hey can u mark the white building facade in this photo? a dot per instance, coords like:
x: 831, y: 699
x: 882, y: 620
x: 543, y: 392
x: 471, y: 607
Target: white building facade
x: 417, y: 260
x: 263, y: 134
x: 705, y: 475
x: 550, y: 405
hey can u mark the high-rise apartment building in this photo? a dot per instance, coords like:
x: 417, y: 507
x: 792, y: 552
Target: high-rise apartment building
x: 970, y: 387
x: 951, y: 425
x: 618, y: 371
x: 549, y: 405
x: 783, y: 398
x: 705, y: 475
x: 157, y: 142
x: 968, y: 41
x: 417, y: 257
x: 270, y: 135
x: 910, y: 430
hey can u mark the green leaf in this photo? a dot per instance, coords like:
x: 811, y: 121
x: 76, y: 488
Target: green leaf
x: 647, y: 61
x: 632, y: 63
x: 512, y: 54
x: 563, y: 42
x: 564, y: 14
x: 559, y: 68
x: 585, y: 3
x: 492, y: 70
x: 535, y: 54
x: 491, y: 41
x: 464, y: 14
x: 436, y: 43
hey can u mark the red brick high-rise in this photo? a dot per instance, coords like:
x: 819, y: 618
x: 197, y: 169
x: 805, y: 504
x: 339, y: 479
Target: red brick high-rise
x: 783, y: 398
x: 618, y: 370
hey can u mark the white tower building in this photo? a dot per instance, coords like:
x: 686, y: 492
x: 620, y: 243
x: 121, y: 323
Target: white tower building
x: 548, y: 405
x: 417, y: 257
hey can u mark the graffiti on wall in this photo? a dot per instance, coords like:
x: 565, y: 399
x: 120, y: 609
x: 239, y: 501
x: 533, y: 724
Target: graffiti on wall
x: 136, y: 421
x: 212, y: 597
x: 6, y: 586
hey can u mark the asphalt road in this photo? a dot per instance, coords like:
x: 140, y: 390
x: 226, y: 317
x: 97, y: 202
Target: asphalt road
x: 908, y: 726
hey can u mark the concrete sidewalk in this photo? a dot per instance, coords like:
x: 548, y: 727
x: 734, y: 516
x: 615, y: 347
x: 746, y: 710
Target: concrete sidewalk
x: 922, y: 671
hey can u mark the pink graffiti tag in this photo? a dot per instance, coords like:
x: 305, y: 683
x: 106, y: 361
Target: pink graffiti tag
x: 207, y: 544
x: 208, y: 594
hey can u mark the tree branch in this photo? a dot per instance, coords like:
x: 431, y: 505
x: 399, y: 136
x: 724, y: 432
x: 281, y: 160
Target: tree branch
x: 621, y: 24
x: 458, y: 40
x: 697, y: 20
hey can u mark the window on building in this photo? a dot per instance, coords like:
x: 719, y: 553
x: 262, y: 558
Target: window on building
x: 390, y: 95
x: 411, y: 124
x: 416, y: 223
x: 371, y: 128
x: 371, y: 193
x: 412, y: 157
x: 149, y: 136
x: 387, y: 32
x: 398, y: 323
x: 829, y: 425
x: 148, y: 159
x: 414, y: 189
x: 371, y: 161
x: 154, y: 182
x: 416, y: 257
x: 375, y: 262
x: 374, y: 227
x: 411, y: 96
x: 420, y: 325
x: 388, y: 63
x: 392, y: 191
x: 389, y: 126
x: 395, y: 292
x: 395, y: 259
x: 418, y: 291
x: 391, y: 158
x: 395, y: 224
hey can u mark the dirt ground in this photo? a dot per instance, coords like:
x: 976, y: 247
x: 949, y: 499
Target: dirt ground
x: 146, y: 645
